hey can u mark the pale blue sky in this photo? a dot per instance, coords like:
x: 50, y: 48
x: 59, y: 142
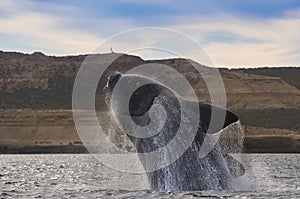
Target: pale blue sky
x: 234, y: 33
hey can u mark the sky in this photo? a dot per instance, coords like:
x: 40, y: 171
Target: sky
x: 234, y: 33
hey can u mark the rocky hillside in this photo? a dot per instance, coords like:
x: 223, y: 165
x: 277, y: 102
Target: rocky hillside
x: 39, y: 87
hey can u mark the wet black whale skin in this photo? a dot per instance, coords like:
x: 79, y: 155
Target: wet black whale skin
x: 189, y: 172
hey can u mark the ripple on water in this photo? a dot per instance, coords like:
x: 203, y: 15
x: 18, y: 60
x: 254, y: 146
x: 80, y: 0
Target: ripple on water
x: 77, y: 175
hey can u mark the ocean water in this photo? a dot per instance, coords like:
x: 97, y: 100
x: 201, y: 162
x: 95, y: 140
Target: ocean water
x: 82, y: 176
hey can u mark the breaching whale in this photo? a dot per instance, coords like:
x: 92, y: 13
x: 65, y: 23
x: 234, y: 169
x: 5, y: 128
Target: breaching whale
x: 183, y: 171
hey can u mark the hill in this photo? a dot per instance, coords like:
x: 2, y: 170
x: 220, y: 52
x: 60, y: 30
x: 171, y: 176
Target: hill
x: 36, y: 95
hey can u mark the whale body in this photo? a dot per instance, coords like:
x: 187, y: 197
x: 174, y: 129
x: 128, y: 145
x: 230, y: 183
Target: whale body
x: 183, y: 171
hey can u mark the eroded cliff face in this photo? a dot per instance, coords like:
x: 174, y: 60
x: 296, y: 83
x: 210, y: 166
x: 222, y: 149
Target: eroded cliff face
x: 36, y: 94
x: 27, y: 130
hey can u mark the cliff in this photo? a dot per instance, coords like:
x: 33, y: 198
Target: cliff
x: 36, y: 94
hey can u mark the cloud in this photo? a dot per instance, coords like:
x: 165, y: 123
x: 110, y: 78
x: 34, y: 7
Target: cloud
x: 43, y: 31
x: 232, y: 40
x: 253, y: 42
x: 249, y: 55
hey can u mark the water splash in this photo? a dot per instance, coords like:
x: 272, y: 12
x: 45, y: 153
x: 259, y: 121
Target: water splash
x: 217, y: 171
x: 178, y: 166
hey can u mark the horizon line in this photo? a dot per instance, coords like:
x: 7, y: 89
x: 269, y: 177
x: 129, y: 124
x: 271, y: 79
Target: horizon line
x: 153, y: 59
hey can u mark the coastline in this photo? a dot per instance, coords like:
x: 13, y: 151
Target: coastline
x: 53, y: 131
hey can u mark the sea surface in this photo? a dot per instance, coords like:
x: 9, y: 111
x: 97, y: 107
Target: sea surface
x: 82, y: 176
